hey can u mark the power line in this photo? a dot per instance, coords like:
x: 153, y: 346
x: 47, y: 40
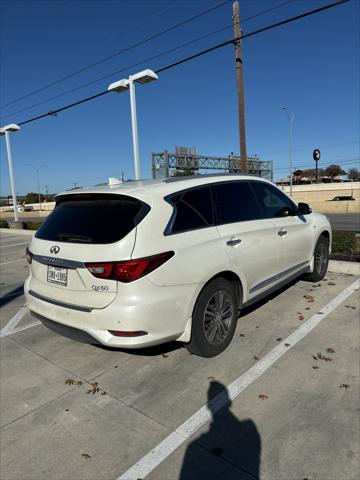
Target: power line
x: 166, y: 52
x: 255, y: 32
x: 197, y: 55
x: 119, y: 52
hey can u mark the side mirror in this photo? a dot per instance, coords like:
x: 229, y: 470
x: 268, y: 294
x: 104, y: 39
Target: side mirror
x: 304, y: 209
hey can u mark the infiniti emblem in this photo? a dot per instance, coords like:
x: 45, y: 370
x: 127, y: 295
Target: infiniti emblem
x: 55, y: 249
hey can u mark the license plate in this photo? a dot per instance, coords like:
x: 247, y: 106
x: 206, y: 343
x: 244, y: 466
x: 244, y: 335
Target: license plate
x: 57, y: 275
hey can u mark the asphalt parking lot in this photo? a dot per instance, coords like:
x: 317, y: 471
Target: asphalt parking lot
x: 282, y: 400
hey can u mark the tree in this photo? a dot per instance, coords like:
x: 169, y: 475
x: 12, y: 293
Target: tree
x: 334, y: 171
x: 311, y: 173
x: 33, y: 197
x: 353, y: 174
x: 183, y: 173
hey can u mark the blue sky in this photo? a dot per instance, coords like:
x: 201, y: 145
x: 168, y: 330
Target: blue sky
x: 311, y: 67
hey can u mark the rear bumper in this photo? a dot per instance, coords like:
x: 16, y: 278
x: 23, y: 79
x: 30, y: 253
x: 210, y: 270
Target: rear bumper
x: 162, y: 312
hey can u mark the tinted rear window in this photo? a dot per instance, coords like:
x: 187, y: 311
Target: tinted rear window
x: 92, y: 218
x: 235, y: 202
x: 193, y: 209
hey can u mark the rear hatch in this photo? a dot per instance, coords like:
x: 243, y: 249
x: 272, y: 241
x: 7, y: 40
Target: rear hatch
x: 83, y: 228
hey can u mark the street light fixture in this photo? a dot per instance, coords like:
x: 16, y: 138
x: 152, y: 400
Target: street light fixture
x: 291, y: 120
x: 37, y: 169
x: 6, y: 131
x: 146, y: 76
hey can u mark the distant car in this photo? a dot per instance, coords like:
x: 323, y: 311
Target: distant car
x: 342, y: 198
x: 140, y: 263
x: 25, y: 208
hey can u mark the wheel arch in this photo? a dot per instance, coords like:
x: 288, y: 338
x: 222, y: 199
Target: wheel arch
x: 239, y: 290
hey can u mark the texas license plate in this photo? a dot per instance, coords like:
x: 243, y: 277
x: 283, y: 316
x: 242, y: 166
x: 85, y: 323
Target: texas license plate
x: 57, y: 275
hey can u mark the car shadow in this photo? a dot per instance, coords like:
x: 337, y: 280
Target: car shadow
x: 12, y: 295
x: 254, y: 306
x: 154, y: 351
x: 230, y: 449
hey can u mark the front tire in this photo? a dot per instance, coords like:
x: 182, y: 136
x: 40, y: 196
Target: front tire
x: 214, y: 318
x: 321, y: 260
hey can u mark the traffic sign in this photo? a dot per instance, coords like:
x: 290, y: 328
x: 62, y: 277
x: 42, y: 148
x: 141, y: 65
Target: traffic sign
x: 316, y: 154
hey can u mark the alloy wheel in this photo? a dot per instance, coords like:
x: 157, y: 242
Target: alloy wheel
x: 218, y: 316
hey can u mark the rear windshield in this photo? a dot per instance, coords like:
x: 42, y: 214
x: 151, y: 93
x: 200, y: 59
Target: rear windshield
x: 92, y: 218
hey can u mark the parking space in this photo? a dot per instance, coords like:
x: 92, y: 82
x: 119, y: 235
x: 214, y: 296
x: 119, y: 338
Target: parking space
x: 13, y: 269
x: 77, y: 411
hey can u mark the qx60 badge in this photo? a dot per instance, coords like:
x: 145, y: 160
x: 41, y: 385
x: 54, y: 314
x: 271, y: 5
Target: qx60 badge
x: 55, y: 249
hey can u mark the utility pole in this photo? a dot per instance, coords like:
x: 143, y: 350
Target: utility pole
x: 240, y: 87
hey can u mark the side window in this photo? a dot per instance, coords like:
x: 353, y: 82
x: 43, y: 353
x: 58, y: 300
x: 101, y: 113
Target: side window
x: 274, y: 202
x: 235, y: 202
x: 193, y: 209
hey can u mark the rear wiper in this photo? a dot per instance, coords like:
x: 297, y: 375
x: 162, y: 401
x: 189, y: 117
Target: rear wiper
x: 75, y: 238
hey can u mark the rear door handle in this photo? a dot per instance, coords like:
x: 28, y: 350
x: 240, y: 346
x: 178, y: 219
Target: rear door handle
x: 282, y: 232
x: 233, y: 242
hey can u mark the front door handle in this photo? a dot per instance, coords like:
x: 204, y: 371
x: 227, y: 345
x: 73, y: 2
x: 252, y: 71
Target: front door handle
x: 282, y: 232
x: 233, y: 242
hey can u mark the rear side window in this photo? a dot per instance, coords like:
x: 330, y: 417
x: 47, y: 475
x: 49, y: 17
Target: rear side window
x: 192, y: 209
x: 235, y: 202
x: 92, y: 218
x: 274, y: 202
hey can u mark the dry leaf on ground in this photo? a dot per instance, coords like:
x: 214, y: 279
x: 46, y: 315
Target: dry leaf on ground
x: 94, y: 388
x: 345, y: 385
x: 86, y: 455
x: 71, y: 381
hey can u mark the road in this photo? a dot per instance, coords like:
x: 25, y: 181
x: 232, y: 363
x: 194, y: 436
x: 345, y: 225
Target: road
x: 73, y: 410
x: 345, y: 221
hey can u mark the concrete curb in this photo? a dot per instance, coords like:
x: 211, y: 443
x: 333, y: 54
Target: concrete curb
x: 337, y: 266
x: 18, y: 232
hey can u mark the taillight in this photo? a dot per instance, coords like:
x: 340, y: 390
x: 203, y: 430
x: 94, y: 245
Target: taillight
x: 128, y: 270
x: 29, y: 255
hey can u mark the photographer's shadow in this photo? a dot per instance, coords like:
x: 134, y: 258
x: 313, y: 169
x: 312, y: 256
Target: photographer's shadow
x: 229, y: 450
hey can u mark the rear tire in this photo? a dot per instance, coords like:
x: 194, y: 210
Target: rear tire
x: 321, y: 261
x: 214, y: 318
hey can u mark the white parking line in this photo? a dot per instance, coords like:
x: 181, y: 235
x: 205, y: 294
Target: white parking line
x: 165, y: 448
x: 25, y: 327
x: 13, y: 261
x: 13, y: 322
x: 14, y: 244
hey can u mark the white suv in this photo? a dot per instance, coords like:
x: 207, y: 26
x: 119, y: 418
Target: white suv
x: 136, y: 264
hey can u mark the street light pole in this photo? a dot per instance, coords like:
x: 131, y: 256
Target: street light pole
x: 38, y: 181
x: 6, y: 131
x: 146, y: 76
x: 291, y: 121
x: 134, y: 128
